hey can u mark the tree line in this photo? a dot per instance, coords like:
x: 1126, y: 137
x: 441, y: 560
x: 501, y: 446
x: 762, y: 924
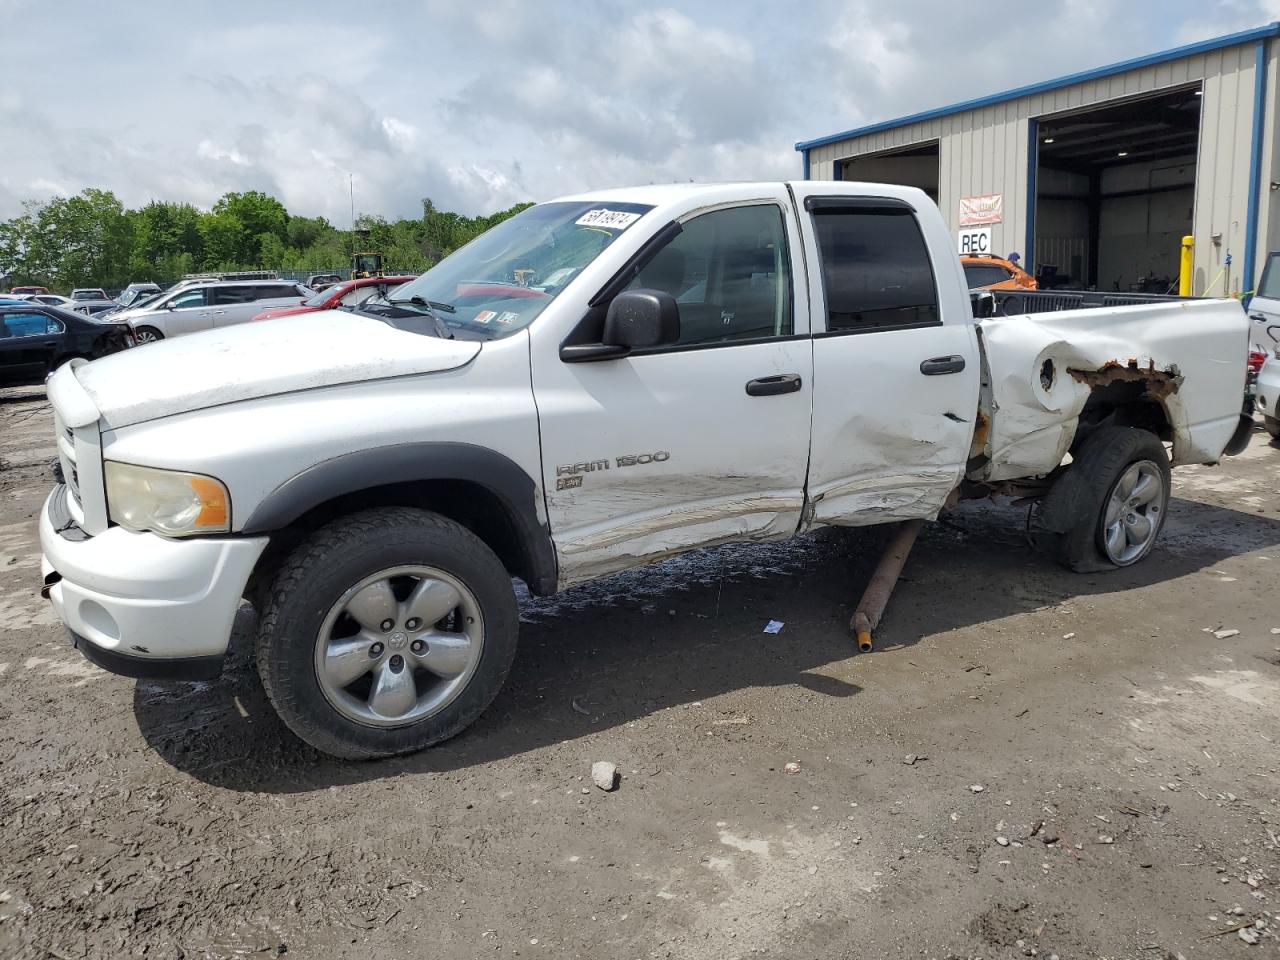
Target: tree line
x: 92, y: 240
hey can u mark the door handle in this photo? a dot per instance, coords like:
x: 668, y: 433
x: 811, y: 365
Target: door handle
x: 940, y: 365
x: 772, y: 386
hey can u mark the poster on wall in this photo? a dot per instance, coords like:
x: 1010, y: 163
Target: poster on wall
x: 976, y: 211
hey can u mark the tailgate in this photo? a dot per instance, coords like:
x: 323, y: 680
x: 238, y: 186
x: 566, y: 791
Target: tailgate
x: 1040, y: 370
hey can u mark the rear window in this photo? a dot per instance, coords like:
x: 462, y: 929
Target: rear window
x: 875, y: 269
x: 984, y: 274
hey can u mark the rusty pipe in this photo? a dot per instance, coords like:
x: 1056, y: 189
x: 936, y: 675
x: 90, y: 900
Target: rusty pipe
x: 876, y: 597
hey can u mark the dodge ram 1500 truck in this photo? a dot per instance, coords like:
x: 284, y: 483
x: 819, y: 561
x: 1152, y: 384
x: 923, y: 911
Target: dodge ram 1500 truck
x: 599, y: 382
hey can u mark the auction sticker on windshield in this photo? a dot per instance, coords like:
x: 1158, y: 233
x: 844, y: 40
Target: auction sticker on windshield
x: 609, y: 219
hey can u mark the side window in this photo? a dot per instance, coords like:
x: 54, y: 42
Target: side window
x: 279, y: 291
x: 230, y: 296
x: 188, y: 298
x: 730, y: 273
x: 1270, y: 285
x: 875, y: 269
x: 23, y: 324
x: 53, y: 325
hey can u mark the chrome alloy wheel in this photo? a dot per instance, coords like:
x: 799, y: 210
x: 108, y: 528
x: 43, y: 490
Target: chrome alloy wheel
x: 1133, y: 514
x: 399, y: 646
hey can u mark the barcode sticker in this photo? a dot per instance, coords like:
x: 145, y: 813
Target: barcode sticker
x: 609, y: 219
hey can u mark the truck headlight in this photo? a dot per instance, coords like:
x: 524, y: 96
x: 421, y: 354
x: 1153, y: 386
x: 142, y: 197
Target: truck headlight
x: 169, y: 502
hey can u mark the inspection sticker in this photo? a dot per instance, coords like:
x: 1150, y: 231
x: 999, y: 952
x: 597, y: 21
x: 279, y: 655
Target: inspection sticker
x: 508, y: 317
x: 484, y: 316
x: 609, y: 219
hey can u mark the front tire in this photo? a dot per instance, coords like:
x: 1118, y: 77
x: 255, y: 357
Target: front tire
x: 1107, y: 510
x: 147, y: 335
x: 386, y: 631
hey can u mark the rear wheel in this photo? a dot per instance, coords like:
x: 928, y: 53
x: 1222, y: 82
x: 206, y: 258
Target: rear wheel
x: 1273, y: 427
x: 386, y: 632
x: 147, y: 335
x: 1107, y: 510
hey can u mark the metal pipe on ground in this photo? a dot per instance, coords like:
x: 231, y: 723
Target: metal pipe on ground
x: 876, y: 597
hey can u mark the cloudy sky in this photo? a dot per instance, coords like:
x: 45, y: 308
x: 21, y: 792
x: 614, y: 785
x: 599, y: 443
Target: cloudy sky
x: 484, y: 103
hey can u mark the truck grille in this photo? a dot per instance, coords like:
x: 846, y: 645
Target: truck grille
x: 67, y: 458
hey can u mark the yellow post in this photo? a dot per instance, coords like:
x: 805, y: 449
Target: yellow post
x: 1184, y: 267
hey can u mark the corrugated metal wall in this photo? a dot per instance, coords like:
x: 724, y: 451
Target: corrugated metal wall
x: 985, y: 150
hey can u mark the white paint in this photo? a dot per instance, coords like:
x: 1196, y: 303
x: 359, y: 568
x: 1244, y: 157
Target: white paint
x: 1032, y: 426
x: 245, y: 362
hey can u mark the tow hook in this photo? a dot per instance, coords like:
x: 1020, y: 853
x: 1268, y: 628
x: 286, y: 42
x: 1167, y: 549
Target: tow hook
x: 49, y: 582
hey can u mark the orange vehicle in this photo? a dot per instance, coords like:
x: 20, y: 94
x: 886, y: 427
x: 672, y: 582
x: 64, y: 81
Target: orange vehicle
x: 995, y: 273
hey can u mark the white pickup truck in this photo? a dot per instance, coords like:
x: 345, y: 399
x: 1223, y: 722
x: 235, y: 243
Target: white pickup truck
x: 598, y: 383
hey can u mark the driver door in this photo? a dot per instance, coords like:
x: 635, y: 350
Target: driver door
x: 697, y: 442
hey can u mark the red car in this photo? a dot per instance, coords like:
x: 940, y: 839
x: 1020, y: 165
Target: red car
x: 29, y: 290
x: 348, y: 294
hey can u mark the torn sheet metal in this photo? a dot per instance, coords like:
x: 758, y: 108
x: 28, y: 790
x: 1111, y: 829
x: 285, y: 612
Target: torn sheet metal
x: 1040, y: 371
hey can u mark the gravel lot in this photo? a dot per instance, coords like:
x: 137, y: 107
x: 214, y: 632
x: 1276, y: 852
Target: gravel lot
x: 1094, y: 774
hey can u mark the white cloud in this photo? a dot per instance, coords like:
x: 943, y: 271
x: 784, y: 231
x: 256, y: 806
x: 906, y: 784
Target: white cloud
x: 484, y: 103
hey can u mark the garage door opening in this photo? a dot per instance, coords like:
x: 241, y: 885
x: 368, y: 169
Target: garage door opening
x: 1115, y: 193
x: 916, y: 166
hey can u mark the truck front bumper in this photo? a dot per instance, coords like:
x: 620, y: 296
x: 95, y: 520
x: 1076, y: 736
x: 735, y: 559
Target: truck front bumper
x: 142, y: 605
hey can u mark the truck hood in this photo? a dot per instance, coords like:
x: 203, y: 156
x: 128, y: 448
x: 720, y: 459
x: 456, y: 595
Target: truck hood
x: 253, y: 360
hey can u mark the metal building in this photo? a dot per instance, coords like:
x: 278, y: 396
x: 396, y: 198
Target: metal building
x: 1095, y: 177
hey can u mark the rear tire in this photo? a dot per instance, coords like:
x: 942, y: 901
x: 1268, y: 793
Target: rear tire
x: 1273, y: 427
x: 345, y: 661
x: 1107, y: 510
x: 147, y: 335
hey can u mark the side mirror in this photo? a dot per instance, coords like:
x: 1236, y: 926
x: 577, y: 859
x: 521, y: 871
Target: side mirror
x: 635, y: 319
x: 642, y: 318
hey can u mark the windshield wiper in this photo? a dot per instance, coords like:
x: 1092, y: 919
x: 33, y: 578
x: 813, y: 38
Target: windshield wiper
x: 421, y: 302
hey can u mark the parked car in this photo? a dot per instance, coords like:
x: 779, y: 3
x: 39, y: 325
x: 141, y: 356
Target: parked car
x: 595, y: 384
x: 28, y: 289
x: 995, y: 273
x: 350, y: 293
x: 36, y: 339
x: 321, y: 280
x: 1267, y: 393
x: 49, y: 299
x: 89, y: 293
x: 134, y: 293
x: 1264, y: 307
x: 93, y: 308
x: 204, y: 304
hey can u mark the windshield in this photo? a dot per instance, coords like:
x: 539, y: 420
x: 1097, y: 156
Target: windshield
x: 499, y: 282
x: 324, y: 296
x: 136, y: 295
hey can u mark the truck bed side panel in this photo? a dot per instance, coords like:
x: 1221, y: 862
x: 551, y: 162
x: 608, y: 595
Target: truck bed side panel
x: 1041, y: 369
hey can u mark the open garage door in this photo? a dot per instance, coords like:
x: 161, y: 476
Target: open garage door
x: 915, y: 166
x: 1115, y: 193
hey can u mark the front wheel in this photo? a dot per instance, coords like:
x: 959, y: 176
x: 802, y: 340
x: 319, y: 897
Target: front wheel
x: 1107, y: 510
x: 386, y: 632
x: 147, y: 335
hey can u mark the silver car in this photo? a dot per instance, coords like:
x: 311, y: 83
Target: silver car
x: 203, y: 305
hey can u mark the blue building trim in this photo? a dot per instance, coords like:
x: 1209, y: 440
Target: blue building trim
x: 805, y: 156
x: 1259, y: 34
x: 1033, y: 157
x: 1255, y: 163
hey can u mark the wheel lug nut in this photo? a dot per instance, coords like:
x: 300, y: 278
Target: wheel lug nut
x: 413, y: 623
x: 387, y: 625
x: 397, y: 663
x: 417, y: 646
x: 375, y: 650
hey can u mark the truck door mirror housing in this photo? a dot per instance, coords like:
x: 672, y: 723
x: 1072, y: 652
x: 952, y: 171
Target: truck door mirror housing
x: 642, y: 318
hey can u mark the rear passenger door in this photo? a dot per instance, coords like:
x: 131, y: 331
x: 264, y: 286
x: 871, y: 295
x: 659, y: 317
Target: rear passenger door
x: 896, y: 365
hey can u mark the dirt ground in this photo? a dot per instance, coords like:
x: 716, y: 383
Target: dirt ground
x: 1094, y: 774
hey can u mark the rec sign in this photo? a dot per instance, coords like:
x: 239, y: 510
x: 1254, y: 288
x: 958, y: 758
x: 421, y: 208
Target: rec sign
x: 975, y: 240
